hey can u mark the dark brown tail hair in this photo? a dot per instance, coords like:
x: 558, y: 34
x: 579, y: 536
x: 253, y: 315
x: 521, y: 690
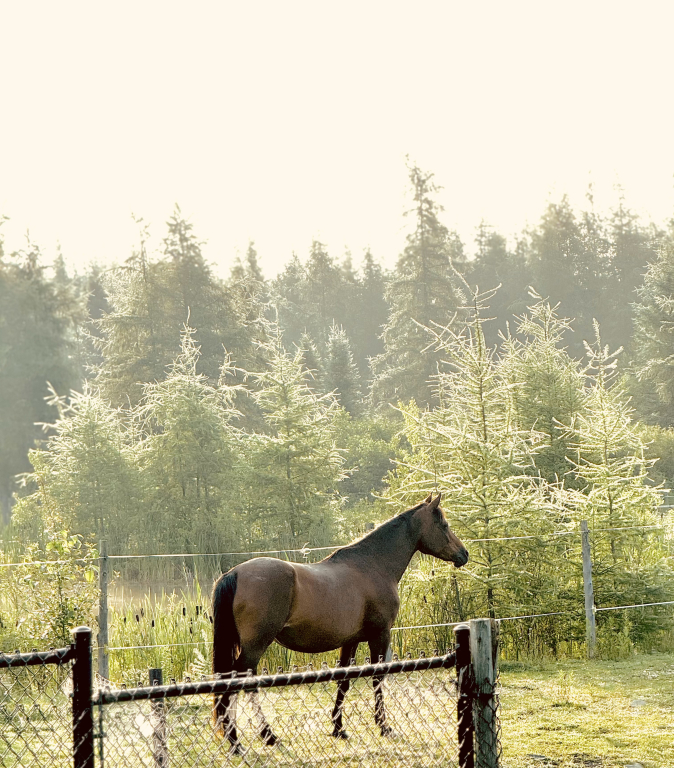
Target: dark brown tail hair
x: 225, y: 642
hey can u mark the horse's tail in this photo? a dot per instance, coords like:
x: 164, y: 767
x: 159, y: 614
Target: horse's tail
x: 226, y: 642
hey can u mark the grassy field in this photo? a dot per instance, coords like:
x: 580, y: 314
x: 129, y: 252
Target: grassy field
x: 600, y: 713
x: 567, y: 713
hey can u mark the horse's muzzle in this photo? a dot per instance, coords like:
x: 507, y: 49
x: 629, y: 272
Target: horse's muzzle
x: 461, y: 558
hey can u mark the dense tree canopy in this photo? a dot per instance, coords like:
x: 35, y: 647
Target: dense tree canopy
x: 187, y: 411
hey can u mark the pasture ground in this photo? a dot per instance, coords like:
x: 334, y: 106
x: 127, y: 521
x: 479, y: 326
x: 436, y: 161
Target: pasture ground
x: 598, y: 714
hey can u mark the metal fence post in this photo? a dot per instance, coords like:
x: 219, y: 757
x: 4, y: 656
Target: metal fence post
x: 83, y: 718
x: 102, y: 640
x: 158, y: 721
x: 465, y: 702
x: 484, y: 708
x: 590, y: 624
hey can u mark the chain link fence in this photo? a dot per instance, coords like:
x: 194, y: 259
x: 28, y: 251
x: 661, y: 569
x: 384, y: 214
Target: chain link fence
x: 441, y: 710
x: 36, y: 722
x: 176, y: 727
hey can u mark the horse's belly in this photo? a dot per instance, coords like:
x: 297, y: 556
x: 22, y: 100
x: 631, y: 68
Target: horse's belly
x: 313, y: 640
x: 324, y: 616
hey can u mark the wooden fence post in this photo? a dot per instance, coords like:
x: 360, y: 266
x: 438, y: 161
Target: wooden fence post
x: 590, y: 624
x: 83, y: 718
x: 465, y: 702
x: 483, y: 656
x: 158, y: 722
x: 102, y: 639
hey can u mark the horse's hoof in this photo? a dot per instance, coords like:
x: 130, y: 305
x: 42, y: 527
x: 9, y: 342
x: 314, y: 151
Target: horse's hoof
x: 236, y: 750
x: 340, y: 733
x: 388, y: 733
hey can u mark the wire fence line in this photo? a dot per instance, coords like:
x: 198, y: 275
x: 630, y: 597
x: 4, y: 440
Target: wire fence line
x: 402, y: 629
x: 306, y: 550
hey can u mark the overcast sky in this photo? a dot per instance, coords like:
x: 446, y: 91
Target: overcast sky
x: 288, y: 121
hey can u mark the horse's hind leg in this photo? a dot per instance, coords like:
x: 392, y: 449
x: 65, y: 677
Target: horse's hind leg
x: 225, y: 722
x: 378, y: 650
x: 345, y: 655
x: 249, y: 660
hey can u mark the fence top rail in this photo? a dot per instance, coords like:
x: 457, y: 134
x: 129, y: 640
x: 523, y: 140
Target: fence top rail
x: 252, y: 683
x: 36, y: 658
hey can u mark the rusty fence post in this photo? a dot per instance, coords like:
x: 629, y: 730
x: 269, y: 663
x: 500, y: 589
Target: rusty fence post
x: 83, y: 718
x: 483, y: 652
x: 465, y: 703
x: 158, y: 722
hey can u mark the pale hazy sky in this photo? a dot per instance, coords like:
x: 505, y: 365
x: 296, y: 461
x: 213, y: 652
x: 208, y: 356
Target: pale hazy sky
x: 284, y: 121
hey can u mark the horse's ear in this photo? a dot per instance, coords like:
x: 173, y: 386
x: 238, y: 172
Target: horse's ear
x: 428, y: 498
x: 436, y: 502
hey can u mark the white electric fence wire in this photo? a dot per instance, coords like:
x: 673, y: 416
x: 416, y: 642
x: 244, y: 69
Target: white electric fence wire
x: 416, y: 626
x: 306, y: 550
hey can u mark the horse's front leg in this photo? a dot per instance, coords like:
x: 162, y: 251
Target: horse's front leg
x: 378, y: 651
x: 347, y: 653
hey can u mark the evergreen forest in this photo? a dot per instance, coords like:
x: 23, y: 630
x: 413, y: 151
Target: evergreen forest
x: 164, y: 408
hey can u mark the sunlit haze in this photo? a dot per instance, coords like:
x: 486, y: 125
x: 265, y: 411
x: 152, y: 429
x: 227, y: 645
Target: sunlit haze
x: 284, y: 122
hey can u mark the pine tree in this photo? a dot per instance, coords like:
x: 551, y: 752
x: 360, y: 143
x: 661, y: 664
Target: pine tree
x: 630, y: 564
x: 324, y: 291
x: 187, y: 455
x: 368, y: 317
x: 38, y: 320
x: 420, y: 293
x: 654, y: 335
x: 293, y: 469
x: 151, y: 300
x: 567, y: 267
x: 341, y: 372
x: 288, y: 296
x: 84, y: 479
x: 546, y: 386
x: 494, y: 265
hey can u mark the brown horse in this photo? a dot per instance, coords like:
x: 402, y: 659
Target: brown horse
x: 348, y: 598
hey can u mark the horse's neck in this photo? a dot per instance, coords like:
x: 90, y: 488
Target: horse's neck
x: 391, y: 549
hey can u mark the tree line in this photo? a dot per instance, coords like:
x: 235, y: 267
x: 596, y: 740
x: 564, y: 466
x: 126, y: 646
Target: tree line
x: 186, y: 412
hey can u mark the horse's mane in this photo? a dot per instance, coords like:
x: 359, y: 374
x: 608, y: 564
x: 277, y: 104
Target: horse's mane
x: 370, y: 543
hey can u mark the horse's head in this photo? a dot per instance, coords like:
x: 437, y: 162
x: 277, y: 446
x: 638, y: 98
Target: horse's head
x: 436, y: 538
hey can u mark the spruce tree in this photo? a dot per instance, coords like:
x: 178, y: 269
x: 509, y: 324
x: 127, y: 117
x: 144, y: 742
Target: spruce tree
x: 546, y: 386
x: 292, y: 470
x: 567, y: 267
x: 187, y: 455
x: 421, y: 292
x: 38, y: 345
x: 341, y: 372
x: 83, y: 479
x: 368, y: 317
x: 654, y: 335
x: 495, y: 265
x: 630, y: 562
x: 151, y: 300
x: 288, y: 296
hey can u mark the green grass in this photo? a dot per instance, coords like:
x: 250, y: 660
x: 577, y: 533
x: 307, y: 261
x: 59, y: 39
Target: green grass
x: 599, y: 713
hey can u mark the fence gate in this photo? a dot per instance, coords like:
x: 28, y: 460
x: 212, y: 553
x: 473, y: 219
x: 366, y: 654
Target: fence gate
x: 442, y: 709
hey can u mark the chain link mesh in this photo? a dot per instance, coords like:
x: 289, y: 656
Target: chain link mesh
x: 178, y: 731
x: 36, y: 722
x: 175, y: 727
